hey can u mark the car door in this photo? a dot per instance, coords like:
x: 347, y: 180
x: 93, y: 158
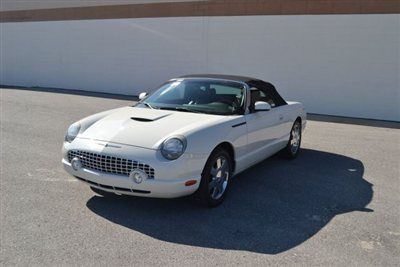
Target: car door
x: 264, y: 128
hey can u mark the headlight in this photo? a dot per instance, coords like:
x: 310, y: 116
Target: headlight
x: 173, y: 148
x: 72, y: 132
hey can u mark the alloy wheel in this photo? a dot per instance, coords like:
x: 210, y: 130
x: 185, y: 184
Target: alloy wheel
x: 296, y: 137
x: 220, y: 172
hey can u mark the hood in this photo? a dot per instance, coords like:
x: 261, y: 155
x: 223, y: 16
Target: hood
x: 145, y: 127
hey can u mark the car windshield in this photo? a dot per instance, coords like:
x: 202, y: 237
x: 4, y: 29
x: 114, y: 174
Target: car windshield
x: 198, y: 95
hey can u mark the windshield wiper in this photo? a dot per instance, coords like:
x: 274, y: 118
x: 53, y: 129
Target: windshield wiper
x: 148, y: 105
x: 181, y: 109
x: 187, y: 109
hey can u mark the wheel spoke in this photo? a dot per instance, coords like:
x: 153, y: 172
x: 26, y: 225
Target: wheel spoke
x: 219, y: 163
x: 224, y: 167
x: 221, y: 186
x: 223, y: 163
x: 213, y: 184
x: 215, y: 193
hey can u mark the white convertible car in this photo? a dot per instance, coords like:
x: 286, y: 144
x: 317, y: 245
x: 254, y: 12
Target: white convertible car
x: 191, y: 136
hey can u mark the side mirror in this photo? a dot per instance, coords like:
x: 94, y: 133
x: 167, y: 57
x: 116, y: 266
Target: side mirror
x: 262, y: 106
x: 143, y: 95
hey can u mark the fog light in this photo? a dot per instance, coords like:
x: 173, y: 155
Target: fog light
x: 138, y: 176
x: 76, y: 163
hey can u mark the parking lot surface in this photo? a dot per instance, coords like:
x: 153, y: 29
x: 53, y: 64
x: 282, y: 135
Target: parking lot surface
x: 336, y: 204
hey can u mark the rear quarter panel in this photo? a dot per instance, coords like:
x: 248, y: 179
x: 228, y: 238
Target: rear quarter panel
x: 295, y: 110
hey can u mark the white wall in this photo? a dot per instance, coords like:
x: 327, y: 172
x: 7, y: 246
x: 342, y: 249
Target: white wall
x: 344, y: 65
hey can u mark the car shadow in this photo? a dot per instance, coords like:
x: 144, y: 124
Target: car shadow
x: 272, y: 207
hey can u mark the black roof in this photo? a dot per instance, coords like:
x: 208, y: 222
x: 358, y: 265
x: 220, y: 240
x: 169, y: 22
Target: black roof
x: 222, y: 76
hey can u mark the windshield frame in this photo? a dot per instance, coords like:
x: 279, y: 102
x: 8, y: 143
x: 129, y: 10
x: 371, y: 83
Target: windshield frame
x: 239, y: 111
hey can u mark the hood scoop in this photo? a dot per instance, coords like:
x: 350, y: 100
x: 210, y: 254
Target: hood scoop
x: 142, y: 119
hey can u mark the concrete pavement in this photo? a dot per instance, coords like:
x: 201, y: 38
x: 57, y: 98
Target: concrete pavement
x: 337, y: 204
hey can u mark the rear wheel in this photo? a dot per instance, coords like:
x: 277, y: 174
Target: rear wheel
x: 215, y: 179
x: 292, y: 148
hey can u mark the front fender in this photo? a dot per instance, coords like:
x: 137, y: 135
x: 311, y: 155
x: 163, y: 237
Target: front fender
x: 205, y: 140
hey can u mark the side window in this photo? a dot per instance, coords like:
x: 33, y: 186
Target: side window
x: 258, y: 95
x: 226, y: 92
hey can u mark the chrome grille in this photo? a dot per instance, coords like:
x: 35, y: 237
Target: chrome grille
x: 109, y: 164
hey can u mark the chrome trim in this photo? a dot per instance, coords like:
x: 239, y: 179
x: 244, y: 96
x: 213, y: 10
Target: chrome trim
x: 109, y: 164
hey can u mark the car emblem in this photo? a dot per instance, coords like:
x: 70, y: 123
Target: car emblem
x: 107, y: 145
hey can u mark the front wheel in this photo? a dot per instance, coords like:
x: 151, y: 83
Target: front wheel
x: 215, y: 179
x: 292, y: 148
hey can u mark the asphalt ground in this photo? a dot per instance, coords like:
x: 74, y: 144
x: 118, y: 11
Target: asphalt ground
x: 336, y: 204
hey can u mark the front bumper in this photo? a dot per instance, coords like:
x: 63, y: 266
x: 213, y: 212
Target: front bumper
x: 169, y: 179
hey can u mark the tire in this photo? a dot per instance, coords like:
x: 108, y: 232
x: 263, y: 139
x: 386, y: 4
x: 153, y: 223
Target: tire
x: 102, y: 192
x: 292, y: 149
x: 215, y: 179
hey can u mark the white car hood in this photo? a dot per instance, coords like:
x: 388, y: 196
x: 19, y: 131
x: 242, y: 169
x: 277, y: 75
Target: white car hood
x: 145, y: 127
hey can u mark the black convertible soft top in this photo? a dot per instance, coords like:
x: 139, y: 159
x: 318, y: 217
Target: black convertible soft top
x: 251, y: 82
x: 221, y: 76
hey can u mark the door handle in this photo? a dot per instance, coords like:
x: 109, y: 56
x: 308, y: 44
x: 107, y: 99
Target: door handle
x: 280, y: 117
